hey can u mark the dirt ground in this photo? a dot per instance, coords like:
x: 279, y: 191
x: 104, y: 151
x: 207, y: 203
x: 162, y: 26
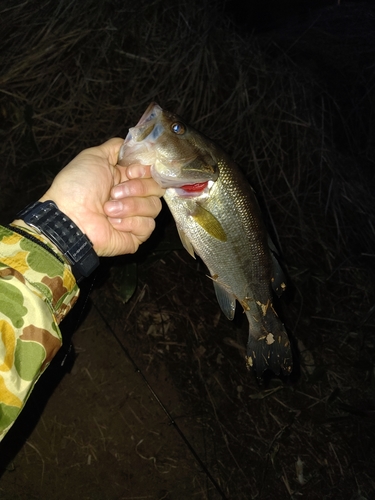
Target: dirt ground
x: 156, y: 403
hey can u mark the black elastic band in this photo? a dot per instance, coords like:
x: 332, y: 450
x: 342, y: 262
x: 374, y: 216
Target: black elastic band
x: 32, y: 238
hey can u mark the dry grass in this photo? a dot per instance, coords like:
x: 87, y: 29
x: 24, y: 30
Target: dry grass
x: 296, y: 110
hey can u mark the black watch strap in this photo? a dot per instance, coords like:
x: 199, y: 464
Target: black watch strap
x: 76, y: 248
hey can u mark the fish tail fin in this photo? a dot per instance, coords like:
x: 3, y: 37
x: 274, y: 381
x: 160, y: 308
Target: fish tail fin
x: 268, y: 347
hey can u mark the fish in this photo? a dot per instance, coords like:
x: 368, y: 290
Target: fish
x: 219, y: 219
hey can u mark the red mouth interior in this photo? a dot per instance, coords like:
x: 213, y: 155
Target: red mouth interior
x: 195, y: 188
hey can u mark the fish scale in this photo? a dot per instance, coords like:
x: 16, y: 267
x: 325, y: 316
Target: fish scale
x: 219, y: 219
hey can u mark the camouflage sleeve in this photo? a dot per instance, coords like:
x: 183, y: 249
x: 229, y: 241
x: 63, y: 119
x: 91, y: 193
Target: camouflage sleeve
x: 36, y: 291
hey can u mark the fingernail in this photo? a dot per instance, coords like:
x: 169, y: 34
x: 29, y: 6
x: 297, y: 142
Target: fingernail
x: 114, y: 207
x: 136, y: 171
x: 114, y: 221
x: 120, y: 191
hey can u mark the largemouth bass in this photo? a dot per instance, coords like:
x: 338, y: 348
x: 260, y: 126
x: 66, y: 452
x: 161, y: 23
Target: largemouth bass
x: 219, y: 219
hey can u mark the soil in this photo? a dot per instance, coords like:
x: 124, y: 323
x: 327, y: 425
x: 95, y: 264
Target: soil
x: 155, y: 401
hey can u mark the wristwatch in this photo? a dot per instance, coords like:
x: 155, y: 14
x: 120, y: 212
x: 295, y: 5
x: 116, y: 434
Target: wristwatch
x: 76, y: 248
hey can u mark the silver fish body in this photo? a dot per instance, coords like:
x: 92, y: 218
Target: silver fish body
x: 218, y: 218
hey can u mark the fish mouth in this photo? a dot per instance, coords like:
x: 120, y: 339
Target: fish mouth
x: 135, y: 149
x: 152, y: 112
x: 148, y: 126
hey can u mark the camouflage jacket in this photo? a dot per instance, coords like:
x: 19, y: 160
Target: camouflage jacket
x: 36, y: 291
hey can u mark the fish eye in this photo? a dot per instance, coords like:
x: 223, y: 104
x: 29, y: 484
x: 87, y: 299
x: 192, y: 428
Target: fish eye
x: 178, y: 128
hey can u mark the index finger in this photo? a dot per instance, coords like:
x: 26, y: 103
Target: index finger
x: 137, y: 187
x: 135, y: 171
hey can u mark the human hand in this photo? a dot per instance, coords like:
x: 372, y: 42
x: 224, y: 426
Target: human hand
x: 114, y: 206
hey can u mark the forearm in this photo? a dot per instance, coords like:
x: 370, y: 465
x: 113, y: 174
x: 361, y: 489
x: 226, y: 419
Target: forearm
x: 37, y: 290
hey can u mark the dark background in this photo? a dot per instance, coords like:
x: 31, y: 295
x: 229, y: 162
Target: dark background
x: 260, y: 16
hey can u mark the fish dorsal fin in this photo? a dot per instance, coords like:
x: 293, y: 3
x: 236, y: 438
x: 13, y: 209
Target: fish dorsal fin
x: 186, y: 242
x: 227, y: 301
x: 278, y: 275
x: 209, y: 223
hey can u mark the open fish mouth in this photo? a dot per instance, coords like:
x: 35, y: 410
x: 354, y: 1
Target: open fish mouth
x: 152, y: 112
x: 146, y: 125
x: 135, y: 148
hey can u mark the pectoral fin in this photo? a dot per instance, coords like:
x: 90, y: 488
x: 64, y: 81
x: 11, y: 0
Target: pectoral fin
x: 209, y: 223
x: 186, y: 242
x: 227, y: 301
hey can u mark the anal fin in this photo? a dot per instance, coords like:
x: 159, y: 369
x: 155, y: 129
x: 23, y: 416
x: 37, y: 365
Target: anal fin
x: 186, y: 242
x: 227, y: 300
